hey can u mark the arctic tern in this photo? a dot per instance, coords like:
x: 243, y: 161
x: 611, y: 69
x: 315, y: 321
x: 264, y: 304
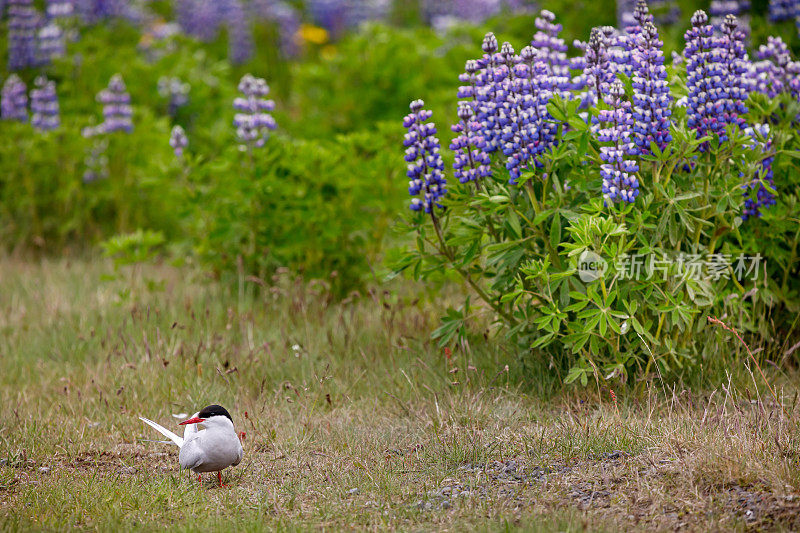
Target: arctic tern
x: 212, y: 449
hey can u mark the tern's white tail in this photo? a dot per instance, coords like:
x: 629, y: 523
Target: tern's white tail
x: 164, y: 431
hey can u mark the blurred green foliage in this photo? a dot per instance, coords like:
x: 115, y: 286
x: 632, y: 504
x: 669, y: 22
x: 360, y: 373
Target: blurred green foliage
x: 317, y: 199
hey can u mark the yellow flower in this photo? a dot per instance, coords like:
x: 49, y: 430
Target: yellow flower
x: 313, y: 34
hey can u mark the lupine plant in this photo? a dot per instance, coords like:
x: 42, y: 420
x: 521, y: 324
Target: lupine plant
x: 175, y: 91
x: 50, y: 44
x: 178, y: 141
x: 117, y: 111
x: 59, y: 9
x: 719, y: 9
x: 14, y: 100
x: 44, y: 105
x: 253, y: 120
x: 23, y: 23
x: 599, y: 223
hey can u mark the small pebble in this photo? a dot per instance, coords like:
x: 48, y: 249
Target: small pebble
x: 353, y: 492
x: 44, y: 469
x: 445, y: 504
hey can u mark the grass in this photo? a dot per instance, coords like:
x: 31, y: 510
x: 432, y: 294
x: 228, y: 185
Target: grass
x: 354, y: 419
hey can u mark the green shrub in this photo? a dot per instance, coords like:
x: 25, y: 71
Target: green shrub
x: 319, y: 208
x: 524, y: 251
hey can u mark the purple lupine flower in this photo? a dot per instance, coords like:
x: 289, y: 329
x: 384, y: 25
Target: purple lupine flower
x: 782, y: 10
x: 511, y: 114
x: 618, y: 50
x: 117, y: 110
x: 425, y: 166
x: 178, y: 141
x: 764, y: 198
x: 640, y: 17
x: 44, y: 105
x: 253, y: 121
x: 96, y: 11
x: 705, y: 79
x: 199, y: 18
x: 774, y: 71
x: 598, y: 72
x: 552, y: 51
x: 621, y: 46
x: 240, y: 34
x: 719, y: 9
x: 469, y: 80
x: 486, y: 95
x: 51, y: 44
x: 443, y: 14
x: 14, y: 100
x: 470, y: 162
x: 619, y: 180
x: 23, y: 24
x: 528, y: 130
x: 651, y: 97
x: 735, y: 65
x: 175, y: 91
x: 58, y: 9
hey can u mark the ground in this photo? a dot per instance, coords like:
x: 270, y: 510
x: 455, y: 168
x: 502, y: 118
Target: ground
x: 353, y: 418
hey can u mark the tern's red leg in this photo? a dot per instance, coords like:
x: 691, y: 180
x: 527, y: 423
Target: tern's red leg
x: 199, y: 478
x: 219, y: 478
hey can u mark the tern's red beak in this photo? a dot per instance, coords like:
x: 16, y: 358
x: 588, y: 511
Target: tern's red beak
x: 195, y: 420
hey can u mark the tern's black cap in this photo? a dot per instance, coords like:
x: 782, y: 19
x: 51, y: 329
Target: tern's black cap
x: 214, y: 410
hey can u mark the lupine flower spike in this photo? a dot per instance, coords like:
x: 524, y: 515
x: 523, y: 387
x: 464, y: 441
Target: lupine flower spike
x: 175, y: 91
x: 651, y: 98
x: 598, y: 68
x: 529, y: 132
x: 23, y: 23
x: 552, y: 51
x: 425, y: 167
x: 14, y: 100
x: 178, y: 141
x: 51, y: 44
x: 619, y: 180
x: 719, y: 9
x: 117, y: 111
x: 240, y: 34
x: 470, y: 163
x: 782, y: 10
x: 704, y: 79
x: 57, y: 9
x: 736, y: 66
x: 252, y: 120
x: 486, y: 95
x: 44, y: 105
x: 774, y: 71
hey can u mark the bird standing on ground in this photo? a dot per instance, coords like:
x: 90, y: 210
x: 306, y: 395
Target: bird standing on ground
x: 212, y: 449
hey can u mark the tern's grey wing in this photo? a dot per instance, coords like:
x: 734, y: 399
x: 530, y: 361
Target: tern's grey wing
x: 191, y: 455
x: 241, y: 454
